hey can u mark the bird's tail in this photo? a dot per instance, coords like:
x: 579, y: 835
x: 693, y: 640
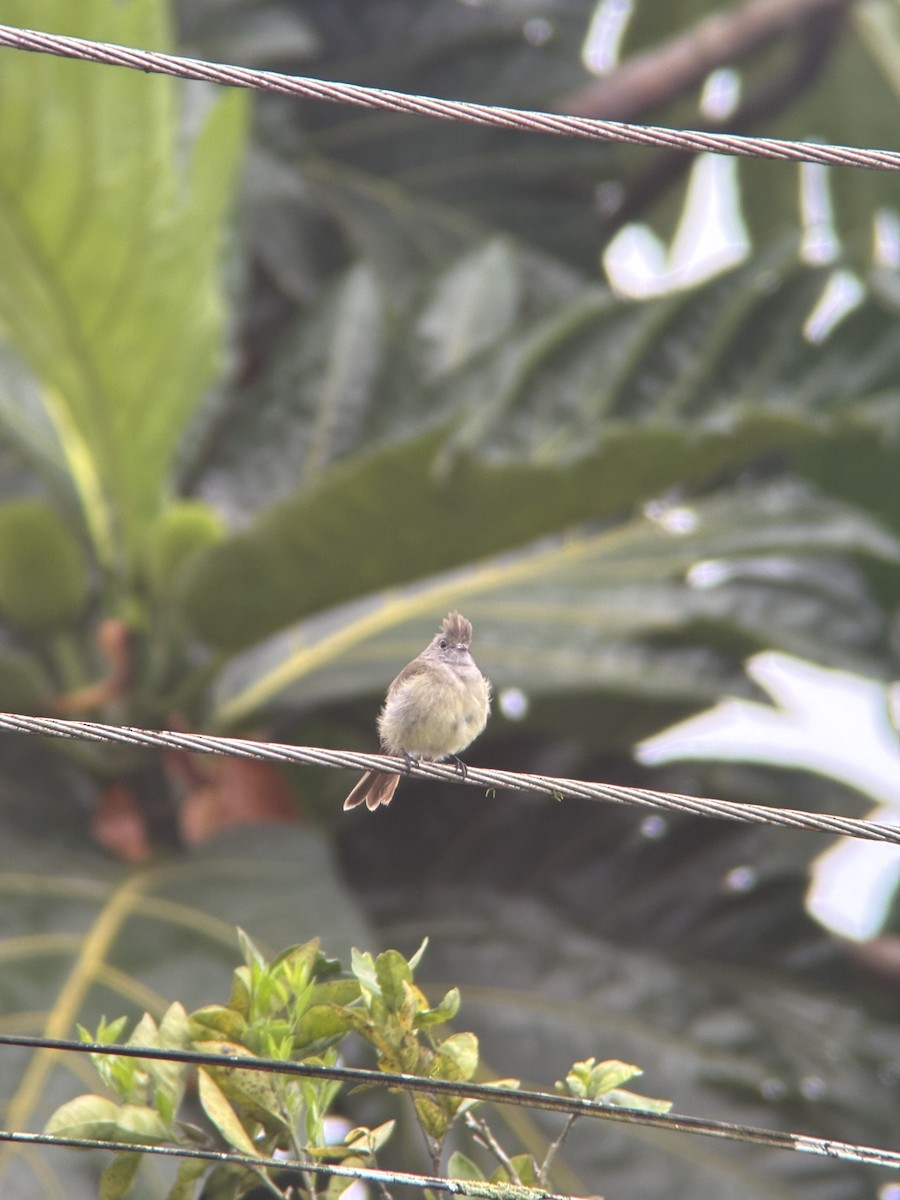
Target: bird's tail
x: 375, y: 788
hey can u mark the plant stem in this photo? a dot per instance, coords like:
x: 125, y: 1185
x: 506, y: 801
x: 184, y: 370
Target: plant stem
x: 483, y: 1133
x: 554, y: 1149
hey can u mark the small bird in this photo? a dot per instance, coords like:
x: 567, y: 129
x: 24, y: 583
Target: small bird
x: 436, y: 706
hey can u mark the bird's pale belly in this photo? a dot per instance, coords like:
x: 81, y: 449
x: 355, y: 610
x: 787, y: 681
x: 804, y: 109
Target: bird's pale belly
x: 436, y: 718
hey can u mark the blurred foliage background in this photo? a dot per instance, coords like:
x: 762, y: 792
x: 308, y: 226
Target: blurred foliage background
x: 282, y: 382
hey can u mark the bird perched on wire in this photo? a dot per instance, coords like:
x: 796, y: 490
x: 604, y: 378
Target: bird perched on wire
x: 437, y: 705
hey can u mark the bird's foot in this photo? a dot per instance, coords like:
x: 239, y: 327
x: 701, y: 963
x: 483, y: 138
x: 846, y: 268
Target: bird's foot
x: 461, y: 768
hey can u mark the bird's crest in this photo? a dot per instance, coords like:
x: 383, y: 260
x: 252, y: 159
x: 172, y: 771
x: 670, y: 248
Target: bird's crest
x: 457, y: 629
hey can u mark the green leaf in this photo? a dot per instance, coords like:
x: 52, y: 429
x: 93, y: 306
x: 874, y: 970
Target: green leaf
x: 523, y: 1165
x: 228, y: 1183
x: 43, y: 574
x: 416, y: 958
x: 369, y: 1141
x: 591, y: 609
x: 445, y: 1011
x: 252, y: 956
x: 472, y: 305
x: 118, y: 1176
x: 178, y: 532
x: 110, y: 288
x: 256, y: 1093
x: 85, y: 1117
x: 457, y: 1057
x: 173, y: 1033
x: 217, y: 1020
x: 583, y: 409
x: 190, y: 1171
x: 222, y: 1114
x: 626, y: 1099
x: 24, y: 684
x: 590, y: 1080
x: 362, y: 964
x: 320, y: 1024
x: 393, y: 975
x: 459, y: 1166
x: 98, y: 1117
x: 140, y: 1123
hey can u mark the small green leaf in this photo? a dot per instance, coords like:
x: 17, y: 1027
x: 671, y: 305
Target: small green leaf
x: 608, y: 1075
x: 252, y: 956
x: 523, y: 1165
x: 457, y: 1058
x: 24, y: 684
x: 239, y: 999
x: 393, y: 974
x: 362, y: 964
x: 625, y: 1099
x: 369, y: 1141
x: 174, y: 1033
x: 140, y: 1123
x: 218, y: 1020
x: 222, y: 1115
x: 177, y: 533
x: 434, y: 1117
x: 460, y: 1166
x: 190, y: 1171
x: 256, y: 1092
x: 228, y: 1183
x: 43, y: 574
x: 335, y: 991
x: 118, y: 1176
x: 441, y: 1013
x: 85, y: 1117
x: 306, y: 957
x: 322, y: 1021
x: 419, y: 954
x: 97, y: 1117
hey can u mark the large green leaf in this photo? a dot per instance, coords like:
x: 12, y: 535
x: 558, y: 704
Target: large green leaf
x: 666, y: 604
x: 115, y: 189
x: 419, y: 452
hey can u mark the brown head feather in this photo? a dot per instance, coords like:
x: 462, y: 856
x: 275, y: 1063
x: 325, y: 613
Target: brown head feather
x: 457, y: 629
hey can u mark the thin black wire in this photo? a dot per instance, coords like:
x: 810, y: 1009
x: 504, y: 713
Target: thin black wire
x: 670, y: 802
x: 459, y: 1187
x: 546, y: 1101
x: 691, y: 141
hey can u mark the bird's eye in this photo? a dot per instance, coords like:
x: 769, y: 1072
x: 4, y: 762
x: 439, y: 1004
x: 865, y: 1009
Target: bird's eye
x: 443, y: 643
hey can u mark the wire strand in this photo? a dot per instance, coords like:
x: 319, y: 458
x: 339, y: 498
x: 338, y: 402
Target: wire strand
x: 670, y: 802
x: 458, y: 1187
x: 691, y: 141
x: 491, y: 1093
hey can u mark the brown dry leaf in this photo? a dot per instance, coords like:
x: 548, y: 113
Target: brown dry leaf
x: 118, y: 824
x: 232, y: 792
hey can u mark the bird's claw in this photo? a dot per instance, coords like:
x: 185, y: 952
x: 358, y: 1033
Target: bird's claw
x: 461, y: 767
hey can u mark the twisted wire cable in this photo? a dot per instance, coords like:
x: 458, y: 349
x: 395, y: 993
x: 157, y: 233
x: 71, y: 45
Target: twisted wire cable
x: 692, y: 141
x: 492, y: 780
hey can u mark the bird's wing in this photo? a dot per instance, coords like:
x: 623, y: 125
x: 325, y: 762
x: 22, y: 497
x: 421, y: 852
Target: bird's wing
x: 409, y: 672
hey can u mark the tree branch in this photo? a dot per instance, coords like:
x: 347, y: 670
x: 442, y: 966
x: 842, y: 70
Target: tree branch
x: 666, y: 72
